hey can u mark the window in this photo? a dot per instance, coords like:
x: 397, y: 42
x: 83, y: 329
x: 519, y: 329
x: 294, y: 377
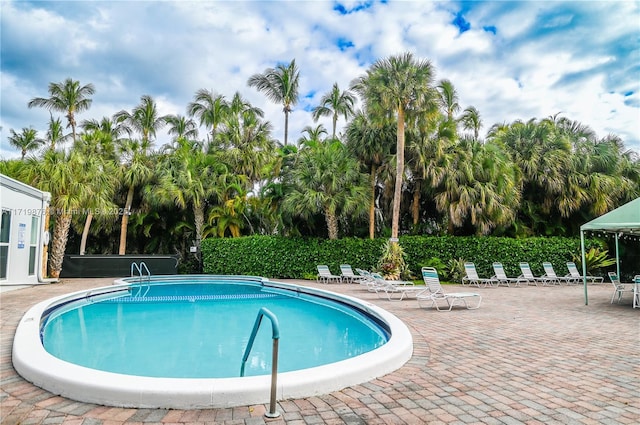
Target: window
x: 5, y: 231
x: 33, y: 245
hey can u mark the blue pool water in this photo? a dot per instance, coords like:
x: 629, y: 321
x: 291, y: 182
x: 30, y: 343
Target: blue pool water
x: 200, y: 330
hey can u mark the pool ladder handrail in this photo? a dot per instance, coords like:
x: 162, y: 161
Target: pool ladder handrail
x: 275, y: 331
x: 143, y: 271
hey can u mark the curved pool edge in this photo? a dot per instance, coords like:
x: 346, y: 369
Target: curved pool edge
x: 83, y: 384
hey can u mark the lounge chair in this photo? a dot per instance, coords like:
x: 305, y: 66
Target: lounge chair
x: 347, y: 274
x: 619, y: 287
x: 472, y: 277
x: 573, y: 272
x: 529, y: 276
x: 551, y: 274
x: 435, y: 293
x: 325, y: 275
x: 503, y: 279
x: 394, y: 290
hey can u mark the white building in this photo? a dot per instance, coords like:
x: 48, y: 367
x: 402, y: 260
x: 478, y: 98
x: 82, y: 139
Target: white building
x: 23, y: 236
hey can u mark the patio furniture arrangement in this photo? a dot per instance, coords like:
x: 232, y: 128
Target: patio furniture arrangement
x: 529, y: 276
x: 434, y: 293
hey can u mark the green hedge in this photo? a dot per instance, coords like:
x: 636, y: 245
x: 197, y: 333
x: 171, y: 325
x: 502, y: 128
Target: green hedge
x: 297, y: 258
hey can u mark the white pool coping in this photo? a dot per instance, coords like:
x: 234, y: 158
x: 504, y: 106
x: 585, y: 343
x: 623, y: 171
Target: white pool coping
x: 83, y: 384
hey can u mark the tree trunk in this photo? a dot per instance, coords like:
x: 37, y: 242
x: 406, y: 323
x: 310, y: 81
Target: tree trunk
x: 85, y: 233
x: 397, y: 193
x: 286, y: 126
x: 332, y: 224
x: 415, y: 208
x: 372, y: 205
x: 59, y: 243
x: 198, y: 214
x: 125, y: 222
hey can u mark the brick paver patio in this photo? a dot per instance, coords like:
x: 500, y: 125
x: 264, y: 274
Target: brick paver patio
x: 529, y: 355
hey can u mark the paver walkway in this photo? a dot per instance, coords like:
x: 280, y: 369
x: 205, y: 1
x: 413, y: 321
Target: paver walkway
x: 530, y: 355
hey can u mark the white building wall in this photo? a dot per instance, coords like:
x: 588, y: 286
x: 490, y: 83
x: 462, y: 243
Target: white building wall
x: 22, y: 240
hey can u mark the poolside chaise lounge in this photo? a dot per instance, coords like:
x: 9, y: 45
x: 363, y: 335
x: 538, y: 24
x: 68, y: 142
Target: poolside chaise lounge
x: 394, y: 290
x: 472, y: 277
x: 325, y: 275
x: 573, y: 272
x: 503, y: 279
x: 435, y: 293
x: 530, y: 277
x: 347, y: 274
x: 551, y: 274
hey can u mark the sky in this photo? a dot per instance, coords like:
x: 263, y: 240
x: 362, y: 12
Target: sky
x: 511, y: 60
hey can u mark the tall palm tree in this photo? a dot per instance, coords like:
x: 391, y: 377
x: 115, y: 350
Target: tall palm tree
x: 101, y: 175
x: 280, y: 85
x: 144, y: 120
x: 327, y: 180
x: 136, y: 169
x: 66, y: 97
x: 402, y: 86
x: 372, y: 144
x: 334, y: 104
x: 26, y: 141
x: 211, y: 110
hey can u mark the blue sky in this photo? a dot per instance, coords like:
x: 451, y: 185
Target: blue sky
x: 510, y: 59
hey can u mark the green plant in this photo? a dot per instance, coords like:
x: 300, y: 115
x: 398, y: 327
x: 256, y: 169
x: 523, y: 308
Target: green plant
x: 595, y: 259
x: 455, y: 269
x: 437, y: 264
x: 392, y: 264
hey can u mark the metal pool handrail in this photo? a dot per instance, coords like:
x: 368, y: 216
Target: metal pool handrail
x: 275, y: 330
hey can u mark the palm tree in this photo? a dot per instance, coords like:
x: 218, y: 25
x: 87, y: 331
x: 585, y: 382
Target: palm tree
x: 312, y: 135
x: 181, y: 127
x: 280, y: 85
x: 55, y: 133
x: 26, y: 141
x: 371, y: 143
x: 448, y: 98
x: 65, y: 176
x: 471, y: 121
x: 210, y: 108
x: 101, y: 174
x: 143, y: 119
x: 66, y: 97
x: 327, y: 180
x: 333, y: 104
x: 401, y: 86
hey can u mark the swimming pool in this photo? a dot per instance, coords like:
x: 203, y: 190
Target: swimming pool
x: 388, y: 343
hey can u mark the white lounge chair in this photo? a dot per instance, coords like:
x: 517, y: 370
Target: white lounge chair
x: 573, y: 272
x: 394, y: 290
x: 347, y: 274
x: 325, y: 275
x: 636, y: 291
x: 503, y: 279
x: 550, y: 273
x: 619, y: 287
x: 530, y: 277
x: 434, y: 293
x: 472, y: 277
